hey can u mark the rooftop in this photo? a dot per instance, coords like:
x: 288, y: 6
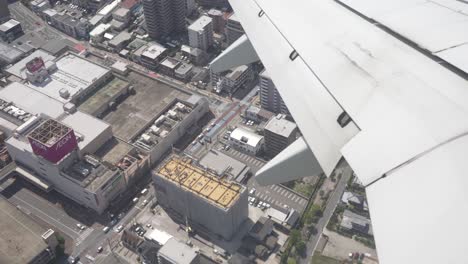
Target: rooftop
x: 73, y: 74
x: 158, y: 236
x: 154, y: 50
x: 200, y: 182
x: 215, y: 12
x: 18, y: 68
x: 108, y: 8
x: 90, y: 176
x: 248, y: 137
x: 170, y: 63
x: 280, y: 126
x: 178, y: 252
x: 129, y: 3
x: 8, y: 53
x: 103, y: 95
x: 184, y: 68
x: 9, y: 25
x: 222, y: 164
x: 99, y: 30
x: 20, y: 239
x: 121, y: 12
x: 200, y: 23
x: 35, y: 102
x: 49, y: 132
x: 164, y: 124
x: 360, y: 223
x: 235, y: 73
x: 190, y: 50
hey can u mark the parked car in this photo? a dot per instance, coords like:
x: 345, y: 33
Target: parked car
x: 99, y: 249
x: 106, y: 229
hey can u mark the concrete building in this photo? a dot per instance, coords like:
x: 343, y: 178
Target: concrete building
x: 176, y: 252
x: 120, y: 41
x: 151, y: 55
x: 211, y: 205
x: 224, y: 166
x: 231, y: 80
x: 10, y: 30
x: 52, y: 145
x: 69, y: 78
x: 356, y: 223
x: 69, y: 20
x: 200, y: 33
x: 234, y: 29
x: 270, y: 99
x: 39, y: 5
x: 164, y: 17
x: 168, y: 66
x: 257, y: 114
x: 246, y: 141
x: 121, y: 18
x: 170, y: 125
x: 9, y: 54
x: 195, y: 55
x: 279, y: 133
x: 218, y: 20
x: 4, y: 11
x: 22, y: 240
x: 96, y: 35
x: 184, y: 72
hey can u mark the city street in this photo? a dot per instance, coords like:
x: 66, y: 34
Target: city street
x: 335, y: 198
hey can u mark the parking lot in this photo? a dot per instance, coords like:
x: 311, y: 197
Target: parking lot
x: 137, y: 110
x: 278, y: 196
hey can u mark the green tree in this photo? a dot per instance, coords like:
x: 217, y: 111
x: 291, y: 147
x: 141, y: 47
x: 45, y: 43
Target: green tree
x: 294, y: 236
x: 301, y: 247
x: 291, y: 261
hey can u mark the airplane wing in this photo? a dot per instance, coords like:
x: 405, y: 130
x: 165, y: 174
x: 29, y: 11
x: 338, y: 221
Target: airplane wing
x: 396, y: 68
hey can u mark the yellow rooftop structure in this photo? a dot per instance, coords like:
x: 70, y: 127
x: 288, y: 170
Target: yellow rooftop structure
x: 201, y: 182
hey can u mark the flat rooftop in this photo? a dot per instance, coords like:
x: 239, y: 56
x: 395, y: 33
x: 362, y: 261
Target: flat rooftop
x: 154, y: 50
x: 73, y: 74
x: 200, y: 182
x: 89, y: 176
x: 280, y: 126
x: 163, y: 125
x: 178, y: 252
x: 200, y: 23
x: 103, y: 96
x: 222, y: 164
x: 136, y: 111
x: 20, y: 239
x: 35, y: 102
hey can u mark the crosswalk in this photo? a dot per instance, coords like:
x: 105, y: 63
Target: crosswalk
x: 84, y: 235
x: 247, y: 158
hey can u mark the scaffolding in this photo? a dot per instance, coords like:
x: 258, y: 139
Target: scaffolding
x: 49, y: 132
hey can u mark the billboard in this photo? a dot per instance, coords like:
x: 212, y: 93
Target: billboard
x: 35, y: 64
x: 54, y: 153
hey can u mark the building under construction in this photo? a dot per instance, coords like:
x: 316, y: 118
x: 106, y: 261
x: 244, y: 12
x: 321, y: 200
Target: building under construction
x: 217, y: 205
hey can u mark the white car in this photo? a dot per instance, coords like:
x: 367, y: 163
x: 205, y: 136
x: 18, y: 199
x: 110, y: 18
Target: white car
x: 119, y: 229
x: 252, y: 191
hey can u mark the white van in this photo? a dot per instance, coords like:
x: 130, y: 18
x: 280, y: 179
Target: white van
x: 144, y: 191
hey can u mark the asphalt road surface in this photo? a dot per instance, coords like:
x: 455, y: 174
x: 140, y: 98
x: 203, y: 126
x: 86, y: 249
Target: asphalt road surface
x: 328, y: 212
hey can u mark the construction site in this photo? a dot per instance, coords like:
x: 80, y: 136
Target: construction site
x: 206, y: 201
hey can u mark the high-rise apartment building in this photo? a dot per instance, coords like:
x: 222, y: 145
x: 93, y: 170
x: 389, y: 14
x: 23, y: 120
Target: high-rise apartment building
x: 234, y: 29
x: 279, y: 133
x: 164, y: 17
x: 4, y: 12
x: 200, y: 33
x: 270, y: 99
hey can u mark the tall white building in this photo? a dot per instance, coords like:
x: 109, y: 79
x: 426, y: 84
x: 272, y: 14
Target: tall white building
x: 200, y: 33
